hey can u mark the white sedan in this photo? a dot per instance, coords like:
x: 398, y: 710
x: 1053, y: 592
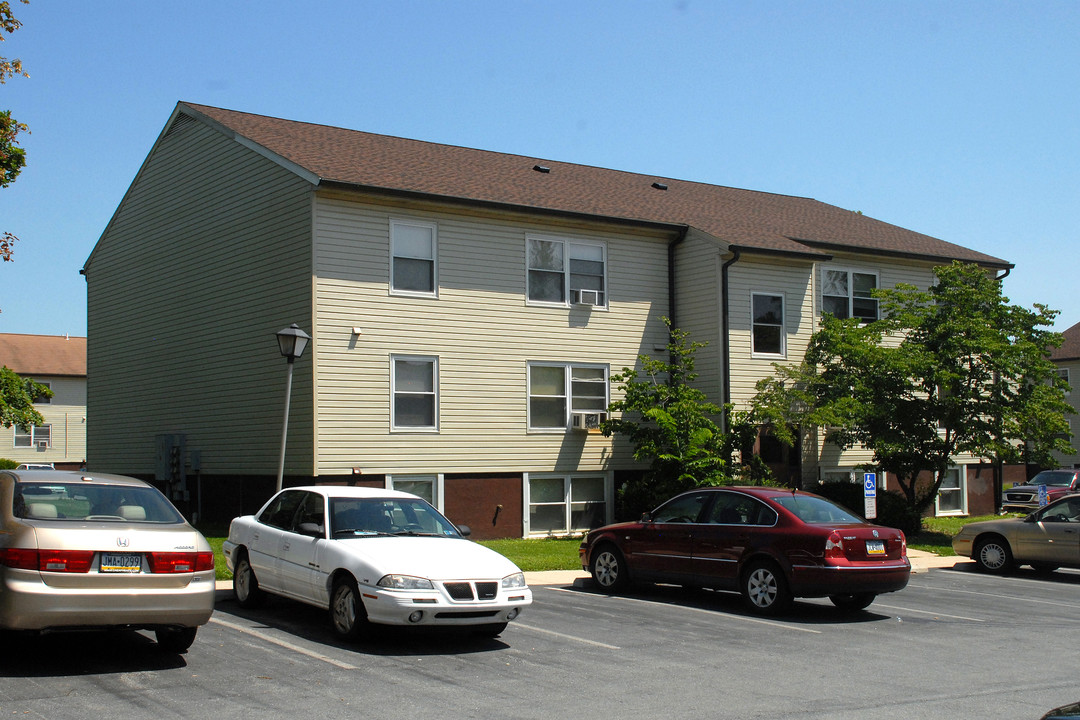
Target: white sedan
x: 384, y: 557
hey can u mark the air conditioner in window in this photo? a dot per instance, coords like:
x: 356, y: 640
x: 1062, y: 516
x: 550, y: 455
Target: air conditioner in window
x: 587, y: 297
x: 587, y: 421
x: 43, y: 445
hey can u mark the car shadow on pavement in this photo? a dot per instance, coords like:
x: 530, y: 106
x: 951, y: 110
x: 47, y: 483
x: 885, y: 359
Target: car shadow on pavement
x: 59, y: 654
x: 802, y: 612
x: 313, y: 625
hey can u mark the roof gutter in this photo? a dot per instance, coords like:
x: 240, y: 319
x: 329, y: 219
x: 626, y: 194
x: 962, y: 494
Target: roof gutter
x: 725, y: 329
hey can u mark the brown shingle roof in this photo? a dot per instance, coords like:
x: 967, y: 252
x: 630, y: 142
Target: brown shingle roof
x: 1070, y: 347
x: 37, y: 355
x: 751, y: 220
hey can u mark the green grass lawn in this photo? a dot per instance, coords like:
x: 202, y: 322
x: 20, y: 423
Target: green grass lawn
x: 938, y: 532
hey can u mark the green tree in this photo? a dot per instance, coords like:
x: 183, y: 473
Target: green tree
x: 17, y: 396
x: 953, y: 370
x: 670, y: 424
x: 12, y: 157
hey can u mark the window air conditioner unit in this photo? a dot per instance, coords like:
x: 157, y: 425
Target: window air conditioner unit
x: 43, y: 445
x: 587, y: 421
x: 588, y: 297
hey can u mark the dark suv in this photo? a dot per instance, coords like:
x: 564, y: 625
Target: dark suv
x: 1025, y: 498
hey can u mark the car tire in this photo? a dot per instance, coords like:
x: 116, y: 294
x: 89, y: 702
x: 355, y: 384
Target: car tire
x: 246, y: 588
x: 993, y: 555
x: 608, y: 568
x: 765, y: 589
x: 348, y: 617
x: 493, y: 630
x: 850, y: 602
x: 175, y: 640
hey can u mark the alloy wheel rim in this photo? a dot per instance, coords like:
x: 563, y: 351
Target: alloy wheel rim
x: 344, y: 609
x: 241, y: 581
x: 762, y: 588
x: 607, y: 569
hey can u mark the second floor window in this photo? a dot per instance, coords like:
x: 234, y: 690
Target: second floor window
x: 43, y: 399
x: 846, y: 293
x: 414, y: 386
x: 412, y: 262
x: 563, y: 272
x: 768, y: 324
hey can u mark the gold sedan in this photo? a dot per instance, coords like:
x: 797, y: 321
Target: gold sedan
x: 1046, y: 539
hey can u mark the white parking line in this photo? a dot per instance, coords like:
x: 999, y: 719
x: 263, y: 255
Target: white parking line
x: 565, y: 637
x: 713, y: 613
x: 284, y: 644
x: 1025, y: 599
x: 928, y: 612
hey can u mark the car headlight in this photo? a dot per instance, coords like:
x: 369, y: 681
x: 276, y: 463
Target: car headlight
x: 405, y: 582
x: 517, y: 580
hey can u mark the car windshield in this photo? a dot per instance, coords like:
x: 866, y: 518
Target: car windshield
x: 85, y: 501
x: 1054, y: 478
x: 815, y: 510
x: 366, y: 517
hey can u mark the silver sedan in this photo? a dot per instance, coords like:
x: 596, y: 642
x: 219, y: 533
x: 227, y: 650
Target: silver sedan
x: 1046, y: 539
x: 82, y: 551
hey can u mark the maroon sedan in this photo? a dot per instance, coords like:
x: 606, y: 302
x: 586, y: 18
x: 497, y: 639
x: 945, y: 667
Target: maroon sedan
x: 770, y: 544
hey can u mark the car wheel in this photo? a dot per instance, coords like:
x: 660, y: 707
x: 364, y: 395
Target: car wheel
x: 853, y: 601
x: 347, y: 614
x: 609, y: 569
x: 245, y: 585
x: 490, y: 631
x: 175, y: 640
x: 765, y: 589
x: 993, y: 555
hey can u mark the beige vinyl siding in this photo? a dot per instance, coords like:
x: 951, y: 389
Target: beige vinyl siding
x: 480, y: 328
x: 66, y: 414
x: 697, y: 307
x: 208, y: 256
x: 1073, y: 399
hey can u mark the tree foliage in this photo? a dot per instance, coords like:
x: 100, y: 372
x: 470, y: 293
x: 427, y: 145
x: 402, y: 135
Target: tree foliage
x: 12, y: 157
x: 670, y: 424
x: 952, y: 370
x: 17, y: 396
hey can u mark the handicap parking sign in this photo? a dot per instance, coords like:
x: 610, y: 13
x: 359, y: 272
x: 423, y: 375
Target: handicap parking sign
x: 870, y: 484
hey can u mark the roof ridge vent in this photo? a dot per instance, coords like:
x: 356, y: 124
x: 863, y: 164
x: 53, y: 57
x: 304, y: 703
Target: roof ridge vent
x: 541, y: 168
x: 660, y: 185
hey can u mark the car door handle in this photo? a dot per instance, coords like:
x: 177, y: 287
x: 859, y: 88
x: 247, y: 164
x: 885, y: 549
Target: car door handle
x: 285, y: 546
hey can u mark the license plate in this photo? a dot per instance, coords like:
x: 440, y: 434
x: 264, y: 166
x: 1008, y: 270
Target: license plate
x: 120, y: 563
x: 875, y: 547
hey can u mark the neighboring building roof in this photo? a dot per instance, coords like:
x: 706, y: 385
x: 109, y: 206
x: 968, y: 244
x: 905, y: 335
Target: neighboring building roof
x: 1070, y: 346
x: 37, y: 355
x: 748, y: 220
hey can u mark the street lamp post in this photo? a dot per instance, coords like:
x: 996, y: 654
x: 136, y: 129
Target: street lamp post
x: 291, y: 341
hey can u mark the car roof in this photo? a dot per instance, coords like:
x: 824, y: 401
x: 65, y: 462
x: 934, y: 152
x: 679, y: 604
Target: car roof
x: 352, y: 491
x: 71, y: 476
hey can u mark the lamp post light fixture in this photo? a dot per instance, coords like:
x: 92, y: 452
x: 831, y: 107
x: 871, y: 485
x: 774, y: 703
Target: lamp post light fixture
x: 291, y: 342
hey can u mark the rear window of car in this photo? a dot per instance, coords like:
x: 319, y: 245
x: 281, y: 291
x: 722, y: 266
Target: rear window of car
x: 816, y: 510
x: 94, y: 502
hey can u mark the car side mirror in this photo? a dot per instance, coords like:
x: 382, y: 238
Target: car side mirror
x: 465, y: 530
x: 311, y: 529
x: 646, y: 517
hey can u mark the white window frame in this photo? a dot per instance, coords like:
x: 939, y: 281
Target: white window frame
x: 434, y: 360
x: 609, y: 499
x: 434, y: 259
x: 568, y: 298
x: 754, y: 352
x: 436, y: 481
x: 851, y: 272
x: 961, y: 471
x: 32, y: 433
x: 567, y: 395
x: 1063, y: 373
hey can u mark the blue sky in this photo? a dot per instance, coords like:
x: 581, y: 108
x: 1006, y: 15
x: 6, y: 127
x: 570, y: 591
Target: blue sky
x: 957, y: 119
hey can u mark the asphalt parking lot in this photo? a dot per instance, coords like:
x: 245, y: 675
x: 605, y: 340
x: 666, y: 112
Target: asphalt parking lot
x: 955, y: 643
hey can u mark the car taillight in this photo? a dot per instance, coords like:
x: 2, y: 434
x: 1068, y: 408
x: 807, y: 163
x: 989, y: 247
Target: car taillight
x: 70, y: 561
x: 21, y: 558
x: 903, y: 544
x: 179, y: 562
x: 834, y: 546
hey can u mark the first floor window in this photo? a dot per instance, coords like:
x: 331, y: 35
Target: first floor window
x: 768, y: 324
x: 556, y: 389
x: 426, y: 486
x: 952, y: 497
x: 33, y: 436
x: 846, y: 293
x: 851, y: 475
x: 414, y: 384
x: 567, y: 503
x: 412, y: 257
